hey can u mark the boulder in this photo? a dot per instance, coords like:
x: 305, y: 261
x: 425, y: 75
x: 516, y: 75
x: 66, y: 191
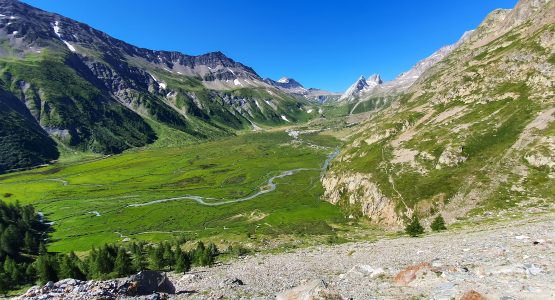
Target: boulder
x: 407, y: 275
x: 149, y: 282
x: 472, y: 295
x: 365, y: 270
x: 231, y: 282
x: 314, y: 290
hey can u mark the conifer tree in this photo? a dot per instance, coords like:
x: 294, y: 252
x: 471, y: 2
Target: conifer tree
x: 168, y: 255
x: 183, y: 262
x: 138, y: 260
x: 414, y: 228
x: 156, y: 257
x: 122, y: 265
x: 46, y: 269
x: 70, y: 267
x: 29, y: 243
x: 438, y: 224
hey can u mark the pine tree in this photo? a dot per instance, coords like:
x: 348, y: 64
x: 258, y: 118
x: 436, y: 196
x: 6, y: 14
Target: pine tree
x: 46, y: 269
x: 4, y: 283
x: 42, y: 249
x: 10, y: 241
x: 414, y: 228
x: 155, y: 258
x: 206, y: 258
x: 29, y: 243
x: 11, y: 270
x: 30, y: 273
x: 183, y: 262
x: 69, y: 267
x: 438, y: 224
x: 213, y: 249
x: 122, y: 265
x: 168, y: 255
x: 90, y: 263
x: 198, y: 253
x: 139, y: 262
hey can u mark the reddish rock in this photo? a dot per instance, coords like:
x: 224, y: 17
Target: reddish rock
x: 472, y: 295
x: 409, y: 274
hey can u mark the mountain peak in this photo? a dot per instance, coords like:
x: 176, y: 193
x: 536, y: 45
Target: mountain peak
x: 375, y: 79
x: 355, y: 90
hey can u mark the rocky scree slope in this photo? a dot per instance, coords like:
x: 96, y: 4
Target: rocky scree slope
x: 80, y: 88
x: 474, y: 134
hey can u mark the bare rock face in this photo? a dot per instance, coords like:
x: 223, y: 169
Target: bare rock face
x: 314, y: 290
x: 452, y: 156
x: 359, y: 189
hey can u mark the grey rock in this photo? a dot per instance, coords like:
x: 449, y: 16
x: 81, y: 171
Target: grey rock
x: 148, y: 282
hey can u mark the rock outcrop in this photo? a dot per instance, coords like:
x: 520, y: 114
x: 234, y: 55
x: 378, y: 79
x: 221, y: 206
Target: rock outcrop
x: 146, y: 283
x: 361, y: 192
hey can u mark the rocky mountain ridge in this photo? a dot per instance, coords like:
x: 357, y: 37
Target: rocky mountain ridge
x: 374, y: 88
x: 292, y: 86
x: 472, y: 134
x: 83, y: 90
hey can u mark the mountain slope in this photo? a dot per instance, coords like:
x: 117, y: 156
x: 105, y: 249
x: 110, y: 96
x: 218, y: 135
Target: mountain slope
x: 18, y: 130
x: 473, y: 134
x: 92, y: 92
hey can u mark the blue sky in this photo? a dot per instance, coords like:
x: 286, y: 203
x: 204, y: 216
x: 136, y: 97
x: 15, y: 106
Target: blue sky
x: 324, y: 44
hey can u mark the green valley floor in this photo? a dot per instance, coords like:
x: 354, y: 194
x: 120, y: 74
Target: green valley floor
x: 237, y: 189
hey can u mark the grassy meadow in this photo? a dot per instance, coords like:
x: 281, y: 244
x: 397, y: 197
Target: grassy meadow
x: 88, y: 198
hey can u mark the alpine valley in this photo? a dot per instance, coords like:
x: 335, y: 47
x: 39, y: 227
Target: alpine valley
x: 116, y: 159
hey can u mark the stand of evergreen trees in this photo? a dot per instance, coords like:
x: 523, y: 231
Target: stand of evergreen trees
x: 112, y: 261
x: 22, y: 236
x: 24, y: 259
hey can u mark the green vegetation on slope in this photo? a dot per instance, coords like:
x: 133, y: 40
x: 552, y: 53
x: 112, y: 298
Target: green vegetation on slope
x: 83, y: 116
x: 23, y: 142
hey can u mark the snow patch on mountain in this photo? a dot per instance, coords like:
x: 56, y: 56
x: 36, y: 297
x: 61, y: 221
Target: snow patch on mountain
x: 56, y: 28
x: 160, y: 83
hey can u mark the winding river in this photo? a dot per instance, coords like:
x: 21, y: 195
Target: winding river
x: 271, y: 186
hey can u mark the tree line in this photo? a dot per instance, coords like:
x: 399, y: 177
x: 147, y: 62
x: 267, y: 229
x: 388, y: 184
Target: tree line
x: 113, y: 261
